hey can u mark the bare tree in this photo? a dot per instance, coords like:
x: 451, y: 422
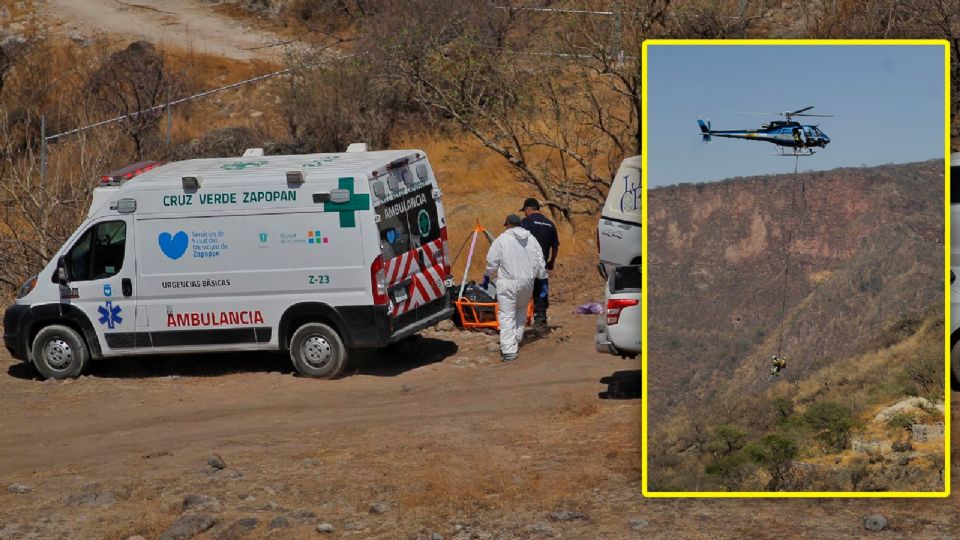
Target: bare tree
x: 330, y: 104
x: 38, y: 214
x: 132, y: 83
x: 480, y: 68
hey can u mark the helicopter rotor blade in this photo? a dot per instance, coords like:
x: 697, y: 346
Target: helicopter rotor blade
x: 798, y: 111
x: 753, y: 112
x: 820, y: 115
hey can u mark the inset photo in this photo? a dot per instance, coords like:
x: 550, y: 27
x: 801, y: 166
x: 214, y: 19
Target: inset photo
x: 796, y: 270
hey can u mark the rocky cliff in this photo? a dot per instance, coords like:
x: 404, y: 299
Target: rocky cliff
x: 817, y: 266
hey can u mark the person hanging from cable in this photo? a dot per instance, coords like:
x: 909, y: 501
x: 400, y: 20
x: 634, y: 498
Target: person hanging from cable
x: 779, y: 364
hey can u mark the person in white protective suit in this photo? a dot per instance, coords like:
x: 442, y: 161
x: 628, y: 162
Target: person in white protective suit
x: 517, y: 259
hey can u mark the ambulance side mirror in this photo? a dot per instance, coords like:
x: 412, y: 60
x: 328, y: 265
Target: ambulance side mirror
x: 62, y: 277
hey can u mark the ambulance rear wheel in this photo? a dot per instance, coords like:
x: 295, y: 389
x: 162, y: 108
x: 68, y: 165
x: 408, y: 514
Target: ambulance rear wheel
x: 59, y: 352
x: 317, y: 351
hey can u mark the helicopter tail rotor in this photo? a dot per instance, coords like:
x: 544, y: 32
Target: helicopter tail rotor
x: 704, y: 129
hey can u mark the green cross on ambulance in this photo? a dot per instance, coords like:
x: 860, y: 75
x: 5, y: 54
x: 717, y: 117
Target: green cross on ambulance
x: 313, y: 254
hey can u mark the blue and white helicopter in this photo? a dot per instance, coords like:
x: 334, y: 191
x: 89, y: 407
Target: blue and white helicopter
x: 792, y: 138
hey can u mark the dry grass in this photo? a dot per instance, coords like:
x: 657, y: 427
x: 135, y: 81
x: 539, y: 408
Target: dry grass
x: 577, y: 404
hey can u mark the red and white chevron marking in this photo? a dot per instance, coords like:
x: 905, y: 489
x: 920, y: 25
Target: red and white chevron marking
x: 426, y: 285
x: 406, y: 264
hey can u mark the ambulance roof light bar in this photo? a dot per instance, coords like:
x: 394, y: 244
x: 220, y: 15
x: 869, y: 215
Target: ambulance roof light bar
x: 119, y: 176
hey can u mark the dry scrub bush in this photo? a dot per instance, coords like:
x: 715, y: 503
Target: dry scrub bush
x: 577, y: 404
x: 329, y: 104
x: 133, y: 82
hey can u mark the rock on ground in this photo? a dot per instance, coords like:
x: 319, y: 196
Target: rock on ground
x: 566, y: 516
x: 187, y: 526
x: 19, y: 488
x: 870, y: 447
x: 325, y: 528
x: 906, y: 405
x: 379, y: 508
x: 238, y: 528
x: 875, y: 522
x: 201, y: 502
x: 445, y: 326
x: 303, y: 516
x: 216, y: 462
x: 279, y: 522
x: 927, y: 432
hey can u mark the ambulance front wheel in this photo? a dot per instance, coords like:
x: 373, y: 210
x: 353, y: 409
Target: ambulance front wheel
x: 59, y: 352
x: 318, y: 351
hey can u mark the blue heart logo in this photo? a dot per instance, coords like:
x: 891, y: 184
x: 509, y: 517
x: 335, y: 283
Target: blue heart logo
x: 173, y: 246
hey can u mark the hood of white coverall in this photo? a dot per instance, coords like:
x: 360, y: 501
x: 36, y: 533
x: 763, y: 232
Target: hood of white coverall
x: 516, y: 254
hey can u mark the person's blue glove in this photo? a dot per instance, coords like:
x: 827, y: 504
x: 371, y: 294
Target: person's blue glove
x: 486, y: 282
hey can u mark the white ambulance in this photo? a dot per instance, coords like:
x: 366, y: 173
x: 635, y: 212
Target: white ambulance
x: 312, y: 254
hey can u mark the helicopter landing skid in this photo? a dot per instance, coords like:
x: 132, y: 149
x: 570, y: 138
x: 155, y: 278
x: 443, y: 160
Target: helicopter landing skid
x: 795, y: 154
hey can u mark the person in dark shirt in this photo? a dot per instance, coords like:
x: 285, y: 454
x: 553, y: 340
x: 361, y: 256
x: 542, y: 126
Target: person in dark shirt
x: 546, y: 234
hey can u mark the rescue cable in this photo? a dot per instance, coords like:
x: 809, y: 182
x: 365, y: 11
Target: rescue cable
x: 786, y: 256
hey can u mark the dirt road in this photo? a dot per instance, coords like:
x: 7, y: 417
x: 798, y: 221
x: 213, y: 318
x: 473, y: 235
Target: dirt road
x: 177, y: 23
x: 436, y: 436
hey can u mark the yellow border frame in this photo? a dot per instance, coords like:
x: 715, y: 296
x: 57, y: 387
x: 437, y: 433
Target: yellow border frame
x: 946, y: 281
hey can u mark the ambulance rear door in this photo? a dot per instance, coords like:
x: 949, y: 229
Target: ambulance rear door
x: 413, y: 241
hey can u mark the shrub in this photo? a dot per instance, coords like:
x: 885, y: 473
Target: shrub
x: 726, y: 439
x: 775, y: 453
x: 784, y: 406
x: 832, y: 422
x: 901, y: 420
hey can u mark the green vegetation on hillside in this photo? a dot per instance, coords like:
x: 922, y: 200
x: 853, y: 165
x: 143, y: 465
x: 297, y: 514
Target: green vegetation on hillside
x: 799, y: 435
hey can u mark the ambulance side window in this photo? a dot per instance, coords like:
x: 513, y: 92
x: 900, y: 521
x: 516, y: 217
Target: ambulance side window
x: 99, y: 252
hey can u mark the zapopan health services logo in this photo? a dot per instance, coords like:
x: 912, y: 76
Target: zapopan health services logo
x: 314, y: 237
x: 173, y: 245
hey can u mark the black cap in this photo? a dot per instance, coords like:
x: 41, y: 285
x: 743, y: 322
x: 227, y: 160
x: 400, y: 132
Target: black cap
x: 530, y: 203
x: 513, y: 220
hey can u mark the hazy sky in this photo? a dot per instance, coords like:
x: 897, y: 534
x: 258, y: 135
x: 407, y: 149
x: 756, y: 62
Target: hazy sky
x: 888, y: 103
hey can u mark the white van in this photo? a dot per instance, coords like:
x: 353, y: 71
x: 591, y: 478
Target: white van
x: 618, y: 325
x: 618, y: 232
x: 312, y: 254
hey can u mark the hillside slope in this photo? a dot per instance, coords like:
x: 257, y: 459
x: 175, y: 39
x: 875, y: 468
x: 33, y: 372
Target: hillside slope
x: 847, y: 252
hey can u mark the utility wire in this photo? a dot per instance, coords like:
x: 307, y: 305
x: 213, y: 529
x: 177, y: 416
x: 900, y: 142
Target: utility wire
x: 189, y: 98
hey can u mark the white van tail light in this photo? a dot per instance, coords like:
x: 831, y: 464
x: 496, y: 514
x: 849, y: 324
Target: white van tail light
x: 447, y: 264
x: 378, y: 279
x: 119, y: 176
x: 615, y: 306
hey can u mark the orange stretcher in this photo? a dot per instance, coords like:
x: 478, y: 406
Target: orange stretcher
x: 476, y: 315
